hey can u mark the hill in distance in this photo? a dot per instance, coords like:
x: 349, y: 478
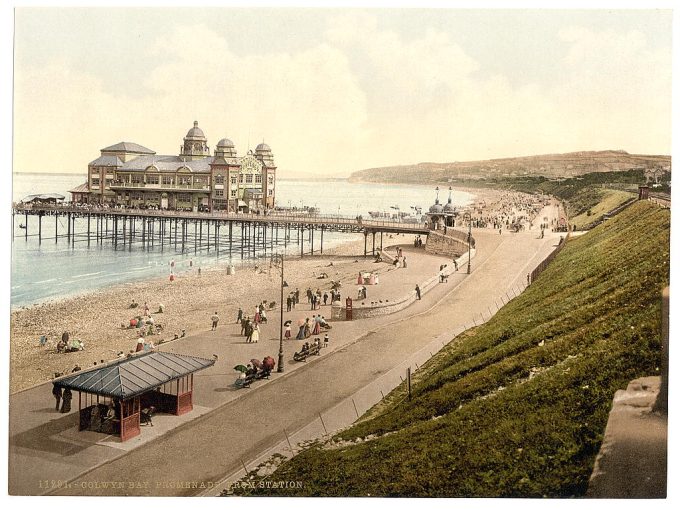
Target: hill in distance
x: 571, y: 164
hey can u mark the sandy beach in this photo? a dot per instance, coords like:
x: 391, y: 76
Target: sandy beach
x: 97, y: 318
x: 100, y: 318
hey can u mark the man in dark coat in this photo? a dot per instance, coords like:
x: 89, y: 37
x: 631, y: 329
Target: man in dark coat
x: 56, y: 391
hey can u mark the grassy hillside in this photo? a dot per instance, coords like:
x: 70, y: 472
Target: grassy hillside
x: 518, y: 406
x: 609, y: 199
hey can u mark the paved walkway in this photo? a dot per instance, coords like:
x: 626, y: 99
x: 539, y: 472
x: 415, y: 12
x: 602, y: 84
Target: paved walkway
x: 231, y: 424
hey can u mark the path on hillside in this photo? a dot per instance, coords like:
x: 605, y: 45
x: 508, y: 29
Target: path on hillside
x: 210, y: 447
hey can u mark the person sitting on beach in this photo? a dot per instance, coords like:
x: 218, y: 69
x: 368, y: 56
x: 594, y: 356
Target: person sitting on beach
x: 140, y: 344
x: 61, y: 346
x: 134, y: 304
x: 161, y: 308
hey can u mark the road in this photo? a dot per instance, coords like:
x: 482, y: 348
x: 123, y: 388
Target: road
x: 212, y: 446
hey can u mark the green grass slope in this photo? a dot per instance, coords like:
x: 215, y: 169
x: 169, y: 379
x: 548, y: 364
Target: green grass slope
x: 518, y: 406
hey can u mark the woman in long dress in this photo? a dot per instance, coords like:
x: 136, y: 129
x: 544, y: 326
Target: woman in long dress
x: 256, y: 333
x: 317, y: 326
x: 308, y: 329
x: 301, y: 333
x: 287, y: 334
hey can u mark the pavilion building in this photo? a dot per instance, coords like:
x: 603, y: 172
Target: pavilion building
x: 131, y: 175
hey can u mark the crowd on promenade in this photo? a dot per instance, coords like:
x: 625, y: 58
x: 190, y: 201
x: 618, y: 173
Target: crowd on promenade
x: 511, y: 211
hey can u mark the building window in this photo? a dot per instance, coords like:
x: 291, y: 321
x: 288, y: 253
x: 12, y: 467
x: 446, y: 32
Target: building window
x: 249, y: 179
x: 233, y: 179
x: 271, y: 192
x: 136, y: 179
x: 258, y: 179
x: 271, y: 180
x: 167, y: 179
x: 219, y: 192
x: 185, y: 180
x: 152, y: 179
x: 108, y: 182
x: 95, y: 181
x: 233, y: 193
x: 219, y: 179
x: 240, y: 178
x: 183, y: 197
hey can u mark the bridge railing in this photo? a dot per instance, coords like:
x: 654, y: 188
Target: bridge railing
x: 318, y: 219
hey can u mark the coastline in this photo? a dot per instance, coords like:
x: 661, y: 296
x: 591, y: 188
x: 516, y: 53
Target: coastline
x: 97, y: 317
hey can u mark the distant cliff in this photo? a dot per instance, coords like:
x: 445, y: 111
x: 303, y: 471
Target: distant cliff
x: 572, y: 164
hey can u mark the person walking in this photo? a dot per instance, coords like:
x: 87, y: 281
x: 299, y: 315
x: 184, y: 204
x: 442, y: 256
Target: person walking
x: 249, y: 330
x: 239, y: 317
x: 288, y: 303
x: 317, y: 325
x: 325, y: 340
x: 297, y: 297
x: 243, y: 325
x: 66, y: 401
x: 455, y: 264
x: 417, y: 292
x: 287, y: 333
x: 56, y: 391
x: 325, y: 298
x: 215, y: 319
x: 255, y: 333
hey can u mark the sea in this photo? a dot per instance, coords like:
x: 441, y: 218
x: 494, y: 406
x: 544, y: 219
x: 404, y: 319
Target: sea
x: 53, y: 270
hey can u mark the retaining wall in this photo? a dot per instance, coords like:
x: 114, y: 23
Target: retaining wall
x: 447, y: 245
x: 360, y: 311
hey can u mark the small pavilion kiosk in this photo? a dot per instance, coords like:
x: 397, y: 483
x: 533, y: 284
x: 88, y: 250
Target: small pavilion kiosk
x: 111, y: 397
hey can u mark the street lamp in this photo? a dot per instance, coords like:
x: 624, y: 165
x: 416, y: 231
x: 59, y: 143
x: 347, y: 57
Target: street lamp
x: 468, y: 216
x: 283, y: 284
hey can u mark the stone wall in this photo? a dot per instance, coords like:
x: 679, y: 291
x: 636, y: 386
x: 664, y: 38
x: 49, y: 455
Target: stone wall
x: 365, y: 311
x: 447, y: 245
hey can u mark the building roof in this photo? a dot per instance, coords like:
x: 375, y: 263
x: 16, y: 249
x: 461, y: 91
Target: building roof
x: 167, y: 163
x: 263, y: 147
x: 128, y: 147
x: 83, y: 188
x: 195, y: 133
x: 225, y: 142
x: 106, y: 160
x: 43, y: 196
x: 133, y: 376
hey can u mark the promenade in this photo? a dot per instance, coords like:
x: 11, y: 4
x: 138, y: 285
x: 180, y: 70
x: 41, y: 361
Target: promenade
x: 228, y: 425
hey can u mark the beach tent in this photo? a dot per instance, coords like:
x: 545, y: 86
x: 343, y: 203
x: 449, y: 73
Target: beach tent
x: 160, y: 379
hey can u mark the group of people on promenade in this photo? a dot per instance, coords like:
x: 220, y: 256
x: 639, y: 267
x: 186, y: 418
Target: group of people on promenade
x: 513, y: 210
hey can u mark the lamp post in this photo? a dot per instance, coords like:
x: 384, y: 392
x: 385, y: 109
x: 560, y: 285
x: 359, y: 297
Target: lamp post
x: 469, y: 239
x: 283, y: 284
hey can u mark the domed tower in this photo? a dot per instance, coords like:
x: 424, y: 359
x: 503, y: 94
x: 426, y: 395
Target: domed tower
x: 435, y: 213
x: 224, y: 175
x: 449, y: 211
x: 264, y: 154
x: 195, y: 144
x: 225, y: 149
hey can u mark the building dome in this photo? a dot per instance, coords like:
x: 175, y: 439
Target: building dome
x: 262, y: 148
x: 225, y: 143
x: 195, y: 133
x: 448, y: 208
x: 436, y: 208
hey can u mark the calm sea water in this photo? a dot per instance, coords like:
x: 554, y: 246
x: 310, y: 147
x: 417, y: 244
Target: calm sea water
x: 55, y: 269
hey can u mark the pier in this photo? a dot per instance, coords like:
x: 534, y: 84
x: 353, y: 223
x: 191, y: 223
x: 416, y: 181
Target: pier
x: 186, y: 231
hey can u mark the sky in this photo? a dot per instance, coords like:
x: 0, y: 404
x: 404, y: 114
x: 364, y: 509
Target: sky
x: 334, y: 91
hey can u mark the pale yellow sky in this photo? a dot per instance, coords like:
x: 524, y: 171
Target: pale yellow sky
x: 334, y: 91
